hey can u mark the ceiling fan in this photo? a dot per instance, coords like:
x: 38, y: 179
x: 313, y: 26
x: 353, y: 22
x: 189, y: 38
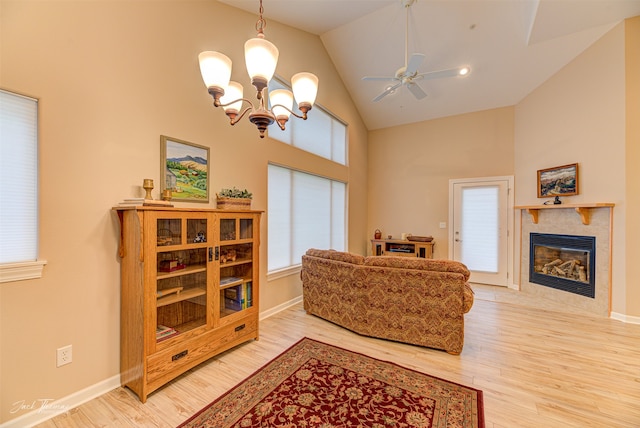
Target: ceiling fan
x: 408, y: 75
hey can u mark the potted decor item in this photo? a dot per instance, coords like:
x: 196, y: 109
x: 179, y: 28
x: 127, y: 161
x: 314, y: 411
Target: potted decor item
x: 234, y: 199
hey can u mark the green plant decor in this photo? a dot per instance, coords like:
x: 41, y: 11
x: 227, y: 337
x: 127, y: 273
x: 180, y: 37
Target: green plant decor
x: 235, y: 193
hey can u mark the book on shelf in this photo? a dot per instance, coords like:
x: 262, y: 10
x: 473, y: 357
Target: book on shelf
x: 163, y: 332
x: 132, y: 202
x: 234, y: 298
x: 238, y: 297
x: 248, y: 293
x: 226, y: 280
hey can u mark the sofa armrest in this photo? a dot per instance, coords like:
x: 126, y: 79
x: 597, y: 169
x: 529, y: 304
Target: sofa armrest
x: 468, y: 298
x: 339, y: 256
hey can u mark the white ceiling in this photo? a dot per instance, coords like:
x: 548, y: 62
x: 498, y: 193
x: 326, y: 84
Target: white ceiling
x: 512, y: 46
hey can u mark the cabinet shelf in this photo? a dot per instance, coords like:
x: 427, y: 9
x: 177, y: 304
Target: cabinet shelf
x: 180, y: 329
x: 178, y: 247
x: 234, y: 283
x: 236, y: 241
x: 186, y: 271
x: 236, y: 263
x: 225, y: 312
x: 179, y: 297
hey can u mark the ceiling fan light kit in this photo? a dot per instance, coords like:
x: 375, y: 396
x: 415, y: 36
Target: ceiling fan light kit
x: 261, y: 58
x: 408, y: 74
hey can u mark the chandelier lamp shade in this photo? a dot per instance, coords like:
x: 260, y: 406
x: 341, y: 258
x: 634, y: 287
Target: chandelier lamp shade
x: 261, y: 58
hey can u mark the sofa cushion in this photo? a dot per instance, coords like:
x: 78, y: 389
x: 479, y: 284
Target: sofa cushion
x: 436, y: 265
x: 339, y: 256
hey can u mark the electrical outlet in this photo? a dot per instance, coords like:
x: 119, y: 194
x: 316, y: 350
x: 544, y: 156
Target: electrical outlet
x: 64, y: 355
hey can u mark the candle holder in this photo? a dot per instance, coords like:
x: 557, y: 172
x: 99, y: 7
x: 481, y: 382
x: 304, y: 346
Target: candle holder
x: 147, y: 184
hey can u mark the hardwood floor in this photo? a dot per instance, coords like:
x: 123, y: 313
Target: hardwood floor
x: 536, y: 366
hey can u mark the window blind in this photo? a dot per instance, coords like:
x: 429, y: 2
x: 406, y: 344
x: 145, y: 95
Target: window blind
x: 305, y: 211
x: 18, y: 178
x: 480, y: 228
x: 321, y: 134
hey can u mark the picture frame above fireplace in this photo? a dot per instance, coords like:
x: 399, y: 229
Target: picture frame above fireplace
x: 558, y: 181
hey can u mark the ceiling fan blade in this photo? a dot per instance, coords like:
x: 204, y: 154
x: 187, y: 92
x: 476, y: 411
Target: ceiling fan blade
x: 414, y: 63
x: 379, y: 78
x: 416, y: 90
x: 452, y: 72
x: 387, y: 91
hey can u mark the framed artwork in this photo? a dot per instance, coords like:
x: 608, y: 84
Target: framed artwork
x: 558, y: 181
x: 184, y: 169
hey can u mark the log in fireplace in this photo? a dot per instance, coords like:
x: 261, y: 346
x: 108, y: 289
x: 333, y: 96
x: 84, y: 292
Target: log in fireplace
x: 563, y: 262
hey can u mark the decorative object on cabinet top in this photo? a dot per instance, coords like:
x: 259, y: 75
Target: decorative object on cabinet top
x: 134, y: 202
x: 416, y: 238
x: 147, y: 185
x: 234, y: 199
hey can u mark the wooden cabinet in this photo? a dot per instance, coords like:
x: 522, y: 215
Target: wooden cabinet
x: 189, y: 289
x: 397, y: 247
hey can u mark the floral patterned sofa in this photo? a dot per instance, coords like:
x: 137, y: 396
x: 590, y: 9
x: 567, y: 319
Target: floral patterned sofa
x: 411, y: 300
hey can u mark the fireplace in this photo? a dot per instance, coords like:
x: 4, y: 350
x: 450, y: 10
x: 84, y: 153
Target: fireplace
x: 563, y: 262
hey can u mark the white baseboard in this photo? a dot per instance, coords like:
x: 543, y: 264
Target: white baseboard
x: 625, y: 318
x: 281, y: 307
x: 45, y: 409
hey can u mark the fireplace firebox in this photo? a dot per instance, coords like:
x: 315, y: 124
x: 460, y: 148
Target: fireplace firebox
x: 563, y: 262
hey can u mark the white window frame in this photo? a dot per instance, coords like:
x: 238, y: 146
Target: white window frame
x: 338, y: 144
x: 24, y: 269
x: 295, y: 268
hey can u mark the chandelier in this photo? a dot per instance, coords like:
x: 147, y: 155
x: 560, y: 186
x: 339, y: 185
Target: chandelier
x: 261, y: 58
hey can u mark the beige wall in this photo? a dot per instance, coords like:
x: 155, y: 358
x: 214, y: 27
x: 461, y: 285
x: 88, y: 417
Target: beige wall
x: 111, y: 78
x: 578, y: 115
x: 410, y: 167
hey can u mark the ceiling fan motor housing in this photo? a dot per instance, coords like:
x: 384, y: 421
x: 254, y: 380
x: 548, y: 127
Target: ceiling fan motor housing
x: 400, y: 72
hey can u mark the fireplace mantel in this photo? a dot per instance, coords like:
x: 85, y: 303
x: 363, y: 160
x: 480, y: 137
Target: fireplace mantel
x: 584, y: 210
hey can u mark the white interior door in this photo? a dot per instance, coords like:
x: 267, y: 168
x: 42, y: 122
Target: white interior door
x: 480, y: 219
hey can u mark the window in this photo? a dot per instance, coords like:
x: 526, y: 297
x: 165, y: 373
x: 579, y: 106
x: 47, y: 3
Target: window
x: 305, y: 211
x: 321, y: 134
x: 19, y: 188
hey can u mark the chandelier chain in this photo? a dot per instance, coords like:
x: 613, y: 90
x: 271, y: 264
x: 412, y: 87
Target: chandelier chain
x: 261, y: 24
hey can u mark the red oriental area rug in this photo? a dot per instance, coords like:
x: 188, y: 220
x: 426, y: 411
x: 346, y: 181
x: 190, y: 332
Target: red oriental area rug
x: 313, y: 384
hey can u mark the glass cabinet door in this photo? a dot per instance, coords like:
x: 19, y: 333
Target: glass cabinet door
x: 236, y: 265
x: 181, y: 273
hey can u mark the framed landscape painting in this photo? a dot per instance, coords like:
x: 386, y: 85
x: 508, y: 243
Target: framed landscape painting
x: 558, y: 181
x: 184, y: 169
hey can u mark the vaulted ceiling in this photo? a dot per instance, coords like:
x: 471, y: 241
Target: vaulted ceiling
x: 512, y: 46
